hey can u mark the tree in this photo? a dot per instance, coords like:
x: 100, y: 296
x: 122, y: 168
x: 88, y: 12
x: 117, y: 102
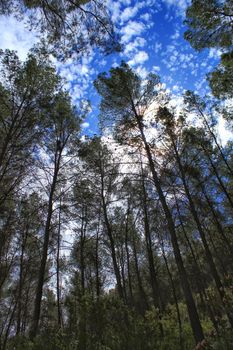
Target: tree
x: 62, y: 125
x: 221, y: 78
x: 100, y: 161
x: 197, y: 105
x: 19, y: 287
x: 172, y: 132
x: 126, y: 99
x: 26, y: 89
x: 210, y: 25
x: 68, y: 27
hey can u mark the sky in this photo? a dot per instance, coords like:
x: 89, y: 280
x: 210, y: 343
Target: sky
x: 152, y: 38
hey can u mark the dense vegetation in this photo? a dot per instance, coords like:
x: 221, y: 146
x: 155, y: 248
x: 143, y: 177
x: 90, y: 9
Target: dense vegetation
x: 119, y: 241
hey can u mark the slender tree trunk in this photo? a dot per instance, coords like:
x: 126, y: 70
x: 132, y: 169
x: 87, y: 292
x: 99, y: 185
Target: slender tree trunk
x: 98, y: 283
x: 25, y: 310
x: 39, y: 289
x: 21, y: 271
x: 192, y: 310
x: 59, y: 309
x: 5, y: 339
x: 122, y: 269
x: 219, y: 227
x: 175, y: 297
x: 139, y: 279
x: 113, y: 253
x: 157, y: 298
x: 194, y: 213
x: 216, y: 252
x: 225, y: 191
x: 82, y: 248
x: 111, y: 239
x: 5, y: 241
x: 83, y: 326
x: 212, y: 134
x: 200, y: 282
x: 128, y: 257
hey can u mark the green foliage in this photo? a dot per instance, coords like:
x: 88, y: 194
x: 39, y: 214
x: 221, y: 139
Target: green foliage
x: 210, y: 25
x: 67, y: 27
x: 221, y: 78
x: 125, y: 94
x: 122, y: 88
x: 114, y: 211
x: 224, y: 343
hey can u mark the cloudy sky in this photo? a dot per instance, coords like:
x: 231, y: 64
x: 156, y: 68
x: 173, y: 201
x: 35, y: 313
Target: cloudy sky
x: 152, y: 37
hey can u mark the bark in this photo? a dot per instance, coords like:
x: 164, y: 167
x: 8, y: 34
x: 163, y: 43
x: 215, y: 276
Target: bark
x: 219, y: 227
x: 200, y: 282
x: 158, y: 302
x: 212, y: 134
x: 21, y: 273
x: 110, y: 236
x: 82, y: 248
x: 59, y: 309
x: 175, y: 298
x: 98, y: 283
x: 194, y: 213
x: 128, y: 257
x: 42, y: 270
x: 139, y: 279
x: 192, y: 310
x: 220, y: 181
x: 6, y: 336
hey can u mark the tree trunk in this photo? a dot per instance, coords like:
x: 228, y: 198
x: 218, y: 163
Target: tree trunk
x: 225, y: 191
x: 219, y: 227
x: 175, y: 297
x: 192, y: 310
x: 39, y: 289
x: 111, y: 239
x: 193, y: 211
x: 59, y: 309
x: 98, y: 283
x: 139, y: 279
x: 200, y: 282
x: 128, y: 257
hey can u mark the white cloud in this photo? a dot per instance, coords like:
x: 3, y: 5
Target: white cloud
x: 14, y: 36
x: 214, y: 53
x: 155, y: 69
x: 126, y: 2
x: 224, y: 129
x: 139, y: 58
x: 124, y: 10
x: 132, y: 29
x: 85, y: 125
x: 176, y: 35
x: 224, y: 134
x: 115, y: 10
x: 158, y: 47
x: 142, y: 71
x: 179, y: 5
x: 200, y: 86
x: 176, y: 88
x: 128, y: 13
x: 134, y: 45
x: 146, y: 16
x: 102, y: 62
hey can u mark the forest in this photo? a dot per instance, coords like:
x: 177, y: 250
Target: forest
x: 121, y: 240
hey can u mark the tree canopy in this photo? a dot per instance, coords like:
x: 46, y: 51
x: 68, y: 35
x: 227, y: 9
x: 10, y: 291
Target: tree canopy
x: 210, y: 24
x: 121, y: 240
x: 67, y: 27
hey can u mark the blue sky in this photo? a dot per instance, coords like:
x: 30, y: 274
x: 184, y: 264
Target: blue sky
x: 152, y: 36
